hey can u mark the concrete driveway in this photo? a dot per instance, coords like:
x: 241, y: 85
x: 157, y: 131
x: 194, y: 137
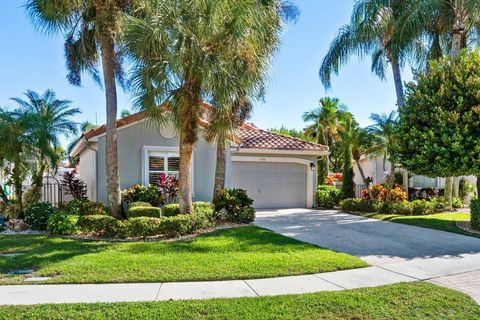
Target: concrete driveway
x: 440, y: 257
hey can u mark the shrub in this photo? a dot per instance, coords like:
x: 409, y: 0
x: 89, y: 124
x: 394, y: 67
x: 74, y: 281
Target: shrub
x: 62, y: 223
x: 439, y: 204
x: 379, y: 193
x: 244, y: 215
x: 139, y: 204
x: 422, y: 207
x: 74, y: 186
x: 236, y: 204
x: 207, y: 209
x: 176, y: 226
x: 171, y: 210
x: 328, y: 197
x: 140, y: 193
x: 359, y: 205
x: 84, y: 207
x: 148, y: 211
x: 475, y: 214
x: 457, y: 203
x: 141, y: 227
x: 400, y: 208
x: 102, y: 226
x: 36, y: 216
x: 168, y: 186
x: 232, y: 199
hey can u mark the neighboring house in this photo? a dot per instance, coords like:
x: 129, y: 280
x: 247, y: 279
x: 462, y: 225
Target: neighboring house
x: 378, y: 169
x: 277, y: 171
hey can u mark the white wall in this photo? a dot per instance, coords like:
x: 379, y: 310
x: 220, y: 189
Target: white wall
x: 88, y: 171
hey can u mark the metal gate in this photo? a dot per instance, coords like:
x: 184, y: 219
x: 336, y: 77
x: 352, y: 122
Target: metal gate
x: 52, y: 191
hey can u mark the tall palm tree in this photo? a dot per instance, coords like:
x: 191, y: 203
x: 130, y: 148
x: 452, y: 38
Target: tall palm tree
x: 225, y: 124
x: 51, y: 119
x: 326, y: 127
x: 93, y: 32
x: 373, y: 30
x: 384, y: 129
x: 187, y: 51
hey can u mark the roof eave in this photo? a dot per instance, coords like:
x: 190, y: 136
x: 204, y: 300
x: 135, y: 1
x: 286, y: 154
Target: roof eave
x: 282, y: 151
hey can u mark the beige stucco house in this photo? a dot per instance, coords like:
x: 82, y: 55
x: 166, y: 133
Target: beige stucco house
x: 277, y: 171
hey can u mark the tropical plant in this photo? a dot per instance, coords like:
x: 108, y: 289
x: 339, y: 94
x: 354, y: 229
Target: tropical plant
x: 439, y: 124
x: 51, y: 118
x: 168, y: 187
x: 384, y: 130
x: 183, y: 51
x: 16, y: 148
x: 326, y: 127
x: 373, y: 30
x: 93, y: 33
x: 74, y: 186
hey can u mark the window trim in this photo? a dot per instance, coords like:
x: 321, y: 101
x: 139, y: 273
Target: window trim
x: 146, y: 150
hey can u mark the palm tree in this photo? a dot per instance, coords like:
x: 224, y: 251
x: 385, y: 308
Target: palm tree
x: 93, y: 32
x: 373, y: 30
x: 185, y: 51
x: 326, y: 127
x: 51, y: 119
x: 125, y: 113
x: 224, y: 125
x: 360, y: 142
x: 384, y: 129
x: 16, y: 147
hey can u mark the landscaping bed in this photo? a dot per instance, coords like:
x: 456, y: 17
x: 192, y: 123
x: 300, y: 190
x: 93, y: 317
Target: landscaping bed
x: 240, y: 253
x: 402, y: 301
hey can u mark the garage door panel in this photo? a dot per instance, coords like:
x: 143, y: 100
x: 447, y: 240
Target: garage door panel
x: 272, y: 185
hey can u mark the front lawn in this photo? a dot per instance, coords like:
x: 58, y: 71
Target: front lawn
x: 402, y: 301
x: 441, y: 221
x: 241, y: 253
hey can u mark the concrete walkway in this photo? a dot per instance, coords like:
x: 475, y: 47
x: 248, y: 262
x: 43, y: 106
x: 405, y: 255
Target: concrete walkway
x: 396, y: 252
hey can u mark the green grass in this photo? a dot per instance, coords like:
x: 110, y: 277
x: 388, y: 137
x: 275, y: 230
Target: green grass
x: 402, y: 301
x: 241, y: 253
x: 441, y: 221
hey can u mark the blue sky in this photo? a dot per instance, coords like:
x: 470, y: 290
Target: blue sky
x: 30, y: 59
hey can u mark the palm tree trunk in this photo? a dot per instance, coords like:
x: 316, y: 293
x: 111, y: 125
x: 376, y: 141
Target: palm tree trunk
x: 405, y: 181
x: 397, y: 78
x: 17, y: 184
x: 111, y: 158
x: 390, y: 183
x: 448, y: 191
x: 364, y: 179
x: 455, y: 187
x: 185, y: 175
x: 220, y: 168
x: 458, y: 28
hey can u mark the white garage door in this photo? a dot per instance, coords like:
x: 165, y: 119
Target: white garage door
x: 272, y: 185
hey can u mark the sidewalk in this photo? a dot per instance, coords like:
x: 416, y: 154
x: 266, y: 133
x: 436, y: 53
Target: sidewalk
x: 435, y: 270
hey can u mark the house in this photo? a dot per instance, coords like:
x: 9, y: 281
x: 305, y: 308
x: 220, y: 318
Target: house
x: 277, y: 171
x: 375, y: 167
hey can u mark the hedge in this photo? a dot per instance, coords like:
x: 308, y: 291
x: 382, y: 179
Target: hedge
x: 328, y: 197
x: 142, y: 211
x: 359, y: 205
x: 417, y: 207
x: 102, y: 226
x: 139, y: 204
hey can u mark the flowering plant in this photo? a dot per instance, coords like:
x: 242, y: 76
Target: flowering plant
x: 333, y: 178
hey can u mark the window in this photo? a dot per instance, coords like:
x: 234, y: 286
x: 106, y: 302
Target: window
x: 162, y: 162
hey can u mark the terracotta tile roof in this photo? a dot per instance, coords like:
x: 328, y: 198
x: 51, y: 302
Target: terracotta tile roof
x: 251, y: 136
x: 254, y: 138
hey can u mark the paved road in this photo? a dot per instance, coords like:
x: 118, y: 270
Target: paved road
x: 444, y: 258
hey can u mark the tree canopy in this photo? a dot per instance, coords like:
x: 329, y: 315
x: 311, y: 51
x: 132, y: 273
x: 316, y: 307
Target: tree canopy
x: 439, y: 127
